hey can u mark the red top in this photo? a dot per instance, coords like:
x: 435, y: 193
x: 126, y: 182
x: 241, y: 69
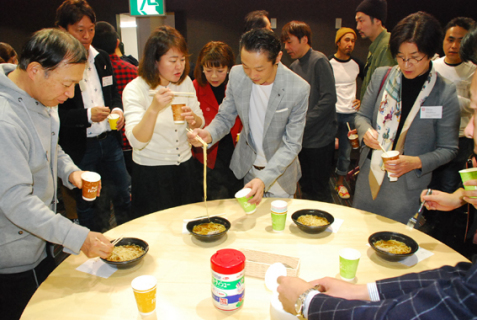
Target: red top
x: 210, y: 107
x: 228, y: 261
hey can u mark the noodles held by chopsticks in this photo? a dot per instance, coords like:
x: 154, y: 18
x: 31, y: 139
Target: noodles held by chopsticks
x: 392, y: 246
x: 312, y: 220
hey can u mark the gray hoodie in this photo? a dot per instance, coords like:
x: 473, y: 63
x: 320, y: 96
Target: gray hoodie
x: 30, y: 163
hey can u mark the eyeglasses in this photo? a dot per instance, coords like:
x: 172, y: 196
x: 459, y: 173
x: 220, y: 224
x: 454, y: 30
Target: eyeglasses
x: 410, y: 60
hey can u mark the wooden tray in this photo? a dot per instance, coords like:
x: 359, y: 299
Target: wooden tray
x: 258, y: 263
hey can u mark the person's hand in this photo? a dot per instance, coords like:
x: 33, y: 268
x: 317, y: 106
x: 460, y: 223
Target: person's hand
x: 98, y: 114
x: 403, y: 165
x: 97, y: 245
x: 371, y: 139
x: 204, y: 134
x: 443, y: 201
x: 289, y: 289
x: 75, y: 179
x: 342, y: 289
x: 120, y: 123
x: 189, y: 116
x: 354, y: 131
x: 356, y: 104
x: 162, y: 99
x: 258, y: 187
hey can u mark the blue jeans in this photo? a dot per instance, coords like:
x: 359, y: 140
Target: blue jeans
x: 106, y: 158
x: 342, y: 166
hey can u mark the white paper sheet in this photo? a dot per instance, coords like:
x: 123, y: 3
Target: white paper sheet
x: 97, y: 268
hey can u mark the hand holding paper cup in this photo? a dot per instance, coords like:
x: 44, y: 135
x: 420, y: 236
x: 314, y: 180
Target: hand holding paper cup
x: 144, y: 288
x: 177, y: 113
x: 241, y: 197
x: 113, y: 121
x: 390, y: 155
x: 468, y: 174
x: 91, y: 183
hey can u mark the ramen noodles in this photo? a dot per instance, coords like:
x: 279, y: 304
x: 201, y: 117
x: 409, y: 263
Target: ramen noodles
x: 208, y: 228
x: 392, y: 246
x: 312, y: 220
x: 126, y: 253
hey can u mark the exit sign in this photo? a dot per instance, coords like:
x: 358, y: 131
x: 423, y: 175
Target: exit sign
x: 147, y: 7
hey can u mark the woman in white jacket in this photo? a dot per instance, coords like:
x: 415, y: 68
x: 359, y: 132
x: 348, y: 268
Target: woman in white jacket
x: 163, y: 169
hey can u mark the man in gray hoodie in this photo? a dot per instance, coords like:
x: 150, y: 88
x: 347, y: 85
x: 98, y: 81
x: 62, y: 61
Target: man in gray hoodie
x: 51, y: 63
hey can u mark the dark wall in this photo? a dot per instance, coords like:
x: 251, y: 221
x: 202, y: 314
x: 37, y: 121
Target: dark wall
x: 201, y: 21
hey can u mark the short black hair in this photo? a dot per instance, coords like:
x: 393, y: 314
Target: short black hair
x: 7, y: 52
x: 468, y: 46
x: 50, y: 48
x: 105, y: 37
x: 261, y: 40
x: 419, y: 28
x: 298, y: 29
x: 463, y: 22
x: 255, y: 19
x: 72, y: 11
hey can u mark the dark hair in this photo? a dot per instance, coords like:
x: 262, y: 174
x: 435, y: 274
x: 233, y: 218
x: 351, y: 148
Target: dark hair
x: 463, y: 22
x: 50, y: 48
x: 255, y: 19
x: 419, y: 28
x: 105, y: 37
x: 468, y: 46
x: 6, y: 51
x: 160, y: 41
x: 72, y: 11
x: 261, y: 40
x: 214, y: 54
x: 298, y: 29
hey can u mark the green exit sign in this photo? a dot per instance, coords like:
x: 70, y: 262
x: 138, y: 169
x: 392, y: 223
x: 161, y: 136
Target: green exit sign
x: 147, y: 7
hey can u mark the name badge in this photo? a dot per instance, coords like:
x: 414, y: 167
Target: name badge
x: 431, y: 112
x: 107, y: 81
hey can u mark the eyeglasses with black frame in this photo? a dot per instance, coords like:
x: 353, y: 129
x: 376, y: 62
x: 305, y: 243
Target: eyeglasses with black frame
x: 412, y: 61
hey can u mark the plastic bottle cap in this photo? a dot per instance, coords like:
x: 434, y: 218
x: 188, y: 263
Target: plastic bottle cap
x: 227, y: 261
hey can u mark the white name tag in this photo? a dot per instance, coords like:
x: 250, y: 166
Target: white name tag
x: 431, y: 112
x: 107, y: 81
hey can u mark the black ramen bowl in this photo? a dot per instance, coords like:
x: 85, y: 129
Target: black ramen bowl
x: 129, y: 263
x: 386, y: 235
x: 313, y: 212
x: 209, y: 237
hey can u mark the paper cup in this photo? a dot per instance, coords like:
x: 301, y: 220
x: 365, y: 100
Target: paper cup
x: 391, y: 155
x: 241, y: 197
x: 349, y: 259
x: 279, y: 215
x: 144, y: 288
x: 469, y: 174
x: 176, y: 113
x: 90, y: 185
x: 354, y: 140
x: 113, y: 121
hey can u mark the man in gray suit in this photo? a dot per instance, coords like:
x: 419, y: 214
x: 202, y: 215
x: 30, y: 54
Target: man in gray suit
x: 271, y: 101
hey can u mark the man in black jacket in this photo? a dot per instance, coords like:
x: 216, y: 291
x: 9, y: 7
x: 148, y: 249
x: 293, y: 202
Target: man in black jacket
x: 85, y: 133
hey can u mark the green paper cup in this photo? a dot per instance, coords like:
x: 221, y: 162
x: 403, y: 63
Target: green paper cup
x: 349, y: 259
x: 241, y: 197
x: 469, y: 174
x: 278, y: 221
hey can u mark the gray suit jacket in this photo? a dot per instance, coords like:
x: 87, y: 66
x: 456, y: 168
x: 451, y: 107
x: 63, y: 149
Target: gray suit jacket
x: 435, y: 141
x: 283, y: 128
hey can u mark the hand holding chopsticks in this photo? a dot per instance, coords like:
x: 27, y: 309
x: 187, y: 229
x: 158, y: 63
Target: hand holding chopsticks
x: 372, y: 144
x: 197, y: 138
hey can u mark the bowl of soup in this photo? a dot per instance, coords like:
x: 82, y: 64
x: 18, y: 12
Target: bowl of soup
x: 127, y: 253
x: 208, y: 229
x: 312, y: 220
x: 392, y: 246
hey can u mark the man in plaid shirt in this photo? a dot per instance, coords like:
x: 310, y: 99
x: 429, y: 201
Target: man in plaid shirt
x: 107, y: 39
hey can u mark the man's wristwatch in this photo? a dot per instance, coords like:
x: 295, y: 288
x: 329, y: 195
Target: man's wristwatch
x: 300, y: 302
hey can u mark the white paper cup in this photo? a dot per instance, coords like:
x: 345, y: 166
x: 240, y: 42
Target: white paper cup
x: 391, y: 155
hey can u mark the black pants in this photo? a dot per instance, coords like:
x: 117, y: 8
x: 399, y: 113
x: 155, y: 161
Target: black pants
x: 316, y: 164
x: 157, y: 188
x: 16, y: 289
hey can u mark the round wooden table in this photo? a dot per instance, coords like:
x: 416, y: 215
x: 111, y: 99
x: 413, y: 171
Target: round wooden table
x: 181, y: 264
